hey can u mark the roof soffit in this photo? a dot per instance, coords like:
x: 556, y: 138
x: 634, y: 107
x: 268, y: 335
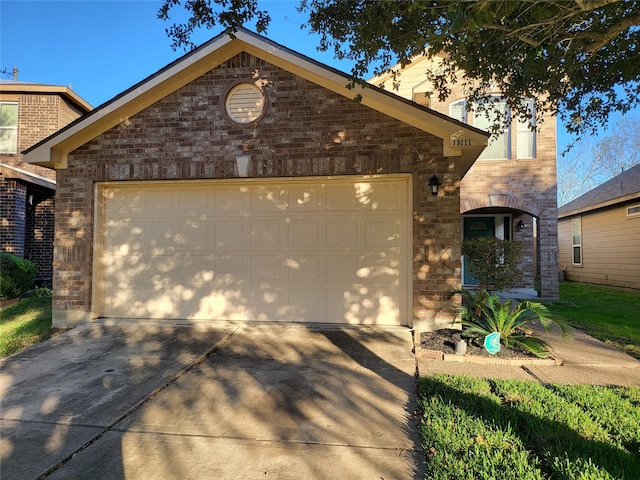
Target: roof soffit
x: 458, y: 139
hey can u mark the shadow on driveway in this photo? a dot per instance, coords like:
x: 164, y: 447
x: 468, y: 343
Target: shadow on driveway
x: 154, y: 401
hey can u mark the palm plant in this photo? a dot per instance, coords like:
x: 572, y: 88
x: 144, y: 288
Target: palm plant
x: 483, y: 313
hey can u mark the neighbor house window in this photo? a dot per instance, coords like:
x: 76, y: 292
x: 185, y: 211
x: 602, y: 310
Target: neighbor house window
x: 8, y: 127
x: 576, y: 231
x: 526, y: 134
x: 635, y: 210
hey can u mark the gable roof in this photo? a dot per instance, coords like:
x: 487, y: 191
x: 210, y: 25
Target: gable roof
x: 458, y: 138
x: 620, y: 188
x: 10, y: 86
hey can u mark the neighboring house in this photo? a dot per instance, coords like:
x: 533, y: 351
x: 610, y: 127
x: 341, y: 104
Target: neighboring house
x: 243, y: 182
x: 510, y: 192
x: 599, y: 233
x: 30, y: 112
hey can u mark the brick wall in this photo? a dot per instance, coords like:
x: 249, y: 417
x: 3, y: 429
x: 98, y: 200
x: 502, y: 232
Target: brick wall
x: 524, y: 185
x: 40, y: 234
x: 12, y: 216
x: 307, y: 131
x: 27, y: 230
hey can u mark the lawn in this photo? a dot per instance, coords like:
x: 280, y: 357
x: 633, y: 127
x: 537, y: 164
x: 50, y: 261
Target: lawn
x: 507, y: 429
x: 24, y: 323
x: 608, y: 314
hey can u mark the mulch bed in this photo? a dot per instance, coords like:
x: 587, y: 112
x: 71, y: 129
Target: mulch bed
x: 444, y: 340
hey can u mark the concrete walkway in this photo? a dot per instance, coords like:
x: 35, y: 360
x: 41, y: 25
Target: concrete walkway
x: 160, y: 402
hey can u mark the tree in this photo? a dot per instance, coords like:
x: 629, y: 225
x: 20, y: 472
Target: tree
x: 591, y: 163
x: 577, y: 58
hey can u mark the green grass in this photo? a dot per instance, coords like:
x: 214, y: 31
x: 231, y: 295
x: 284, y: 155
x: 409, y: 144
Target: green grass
x: 508, y: 429
x: 24, y: 323
x: 608, y: 314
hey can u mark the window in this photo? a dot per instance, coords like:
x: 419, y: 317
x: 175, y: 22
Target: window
x: 526, y: 136
x: 635, y: 210
x: 576, y: 235
x: 8, y: 127
x: 500, y: 144
x: 458, y: 110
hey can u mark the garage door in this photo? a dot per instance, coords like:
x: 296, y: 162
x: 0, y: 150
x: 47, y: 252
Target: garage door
x: 318, y: 250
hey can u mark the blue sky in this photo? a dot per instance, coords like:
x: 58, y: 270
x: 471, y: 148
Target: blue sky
x: 101, y: 48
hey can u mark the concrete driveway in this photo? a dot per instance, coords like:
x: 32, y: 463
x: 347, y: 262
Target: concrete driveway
x: 154, y: 401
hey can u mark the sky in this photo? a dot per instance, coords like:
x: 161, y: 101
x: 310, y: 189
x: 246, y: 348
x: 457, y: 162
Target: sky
x: 102, y: 47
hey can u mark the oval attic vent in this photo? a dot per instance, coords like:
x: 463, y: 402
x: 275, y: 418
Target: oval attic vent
x: 245, y: 103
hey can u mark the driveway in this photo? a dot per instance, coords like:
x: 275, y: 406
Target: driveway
x: 156, y: 401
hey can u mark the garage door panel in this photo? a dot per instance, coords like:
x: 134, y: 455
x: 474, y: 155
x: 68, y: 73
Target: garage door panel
x: 331, y: 250
x: 142, y: 303
x: 266, y: 268
x: 305, y: 199
x: 193, y: 202
x: 231, y: 200
x: 309, y: 305
x: 158, y: 203
x: 363, y: 305
x: 382, y: 233
x: 267, y: 233
x: 191, y: 235
x: 305, y: 233
x: 269, y: 199
x: 229, y: 235
x: 343, y: 233
x: 305, y: 268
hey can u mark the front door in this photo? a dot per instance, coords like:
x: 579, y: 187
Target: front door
x: 476, y: 227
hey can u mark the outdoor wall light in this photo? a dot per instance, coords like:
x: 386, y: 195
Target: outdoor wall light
x: 434, y: 183
x: 520, y: 225
x: 242, y: 162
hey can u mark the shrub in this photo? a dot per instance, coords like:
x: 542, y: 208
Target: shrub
x: 16, y: 275
x: 493, y: 262
x: 484, y: 313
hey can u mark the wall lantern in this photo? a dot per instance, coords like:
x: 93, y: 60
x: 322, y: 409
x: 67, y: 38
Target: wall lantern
x: 242, y: 163
x: 434, y: 183
x: 520, y: 225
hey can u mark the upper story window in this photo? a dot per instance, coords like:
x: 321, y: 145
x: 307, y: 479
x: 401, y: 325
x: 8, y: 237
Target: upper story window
x: 499, y: 146
x: 526, y: 139
x: 8, y: 128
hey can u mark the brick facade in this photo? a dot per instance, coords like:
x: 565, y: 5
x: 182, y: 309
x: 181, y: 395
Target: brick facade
x: 307, y: 131
x: 526, y: 188
x: 27, y: 224
x: 13, y: 216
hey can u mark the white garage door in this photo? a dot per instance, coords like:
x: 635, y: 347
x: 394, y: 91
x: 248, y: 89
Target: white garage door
x: 318, y: 250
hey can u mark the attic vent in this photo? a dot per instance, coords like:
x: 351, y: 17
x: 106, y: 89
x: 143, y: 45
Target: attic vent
x: 245, y: 103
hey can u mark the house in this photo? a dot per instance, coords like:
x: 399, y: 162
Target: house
x: 30, y: 112
x: 510, y: 192
x: 599, y: 233
x: 243, y: 182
